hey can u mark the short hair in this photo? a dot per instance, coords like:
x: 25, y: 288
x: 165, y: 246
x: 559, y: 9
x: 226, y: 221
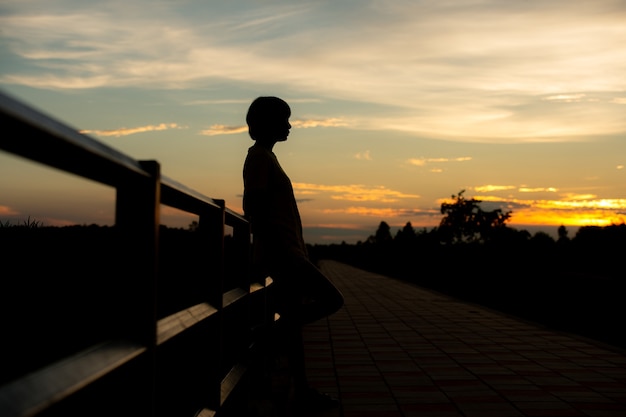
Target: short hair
x: 263, y: 114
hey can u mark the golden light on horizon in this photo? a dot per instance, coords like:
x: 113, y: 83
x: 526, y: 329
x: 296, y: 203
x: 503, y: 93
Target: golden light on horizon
x: 543, y: 217
x: 575, y: 210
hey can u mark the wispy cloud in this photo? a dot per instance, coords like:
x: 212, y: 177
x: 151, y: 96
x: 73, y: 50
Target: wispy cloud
x: 354, y: 192
x: 219, y: 129
x: 365, y: 156
x: 331, y: 122
x: 491, y: 188
x: 216, y: 130
x: 488, y: 188
x: 537, y: 189
x: 567, y: 98
x: 126, y: 131
x: 382, y: 213
x: 420, y: 162
x: 7, y: 211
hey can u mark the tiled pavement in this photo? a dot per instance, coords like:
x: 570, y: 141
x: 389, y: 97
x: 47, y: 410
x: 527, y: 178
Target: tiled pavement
x: 396, y: 349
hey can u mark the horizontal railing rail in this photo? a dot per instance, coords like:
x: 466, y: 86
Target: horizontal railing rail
x: 158, y: 337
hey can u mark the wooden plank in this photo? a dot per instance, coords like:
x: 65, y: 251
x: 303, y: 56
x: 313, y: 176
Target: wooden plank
x: 233, y: 296
x: 205, y: 412
x: 176, y: 323
x: 231, y: 381
x: 39, y: 390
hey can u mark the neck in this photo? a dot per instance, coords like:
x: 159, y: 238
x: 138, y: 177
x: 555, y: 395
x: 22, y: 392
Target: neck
x: 269, y: 145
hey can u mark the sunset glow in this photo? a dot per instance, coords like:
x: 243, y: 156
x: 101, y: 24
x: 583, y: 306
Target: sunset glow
x: 396, y: 106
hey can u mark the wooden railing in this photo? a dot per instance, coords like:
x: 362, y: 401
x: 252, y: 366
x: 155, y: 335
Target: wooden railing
x: 137, y: 353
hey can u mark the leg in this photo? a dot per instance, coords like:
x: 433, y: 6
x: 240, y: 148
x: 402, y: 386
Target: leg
x: 304, y: 295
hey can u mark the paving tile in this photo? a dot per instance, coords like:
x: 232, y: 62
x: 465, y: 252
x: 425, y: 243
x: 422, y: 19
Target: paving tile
x: 398, y: 350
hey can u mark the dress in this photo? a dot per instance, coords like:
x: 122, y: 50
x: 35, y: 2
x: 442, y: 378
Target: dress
x: 270, y: 205
x: 304, y: 294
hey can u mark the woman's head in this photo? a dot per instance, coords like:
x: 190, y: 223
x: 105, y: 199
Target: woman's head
x: 268, y: 119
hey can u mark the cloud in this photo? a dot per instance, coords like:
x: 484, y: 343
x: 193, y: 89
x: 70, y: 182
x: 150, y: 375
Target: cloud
x: 7, y: 211
x: 354, y: 192
x: 219, y: 129
x: 383, y: 213
x: 330, y: 122
x: 423, y: 161
x: 490, y: 188
x: 126, y: 131
x: 366, y: 156
x: 215, y: 130
x: 568, y: 98
x: 537, y: 189
x: 522, y: 189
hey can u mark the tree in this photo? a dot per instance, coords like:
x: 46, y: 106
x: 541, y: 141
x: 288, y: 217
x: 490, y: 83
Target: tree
x: 465, y: 221
x: 383, y: 233
x: 406, y: 235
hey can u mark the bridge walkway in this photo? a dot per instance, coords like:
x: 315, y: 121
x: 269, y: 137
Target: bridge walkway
x: 398, y: 350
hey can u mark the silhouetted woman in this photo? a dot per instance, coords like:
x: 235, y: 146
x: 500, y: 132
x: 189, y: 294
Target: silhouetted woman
x: 303, y: 293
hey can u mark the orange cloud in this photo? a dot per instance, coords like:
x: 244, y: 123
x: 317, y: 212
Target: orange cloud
x: 7, y: 211
x: 537, y: 189
x: 125, y: 131
x: 384, y: 213
x: 522, y: 189
x: 354, y: 192
x: 490, y: 188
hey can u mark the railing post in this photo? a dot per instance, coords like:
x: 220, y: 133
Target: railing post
x: 137, y: 219
x: 211, y: 226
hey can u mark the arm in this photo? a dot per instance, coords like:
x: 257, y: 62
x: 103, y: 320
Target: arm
x: 256, y: 177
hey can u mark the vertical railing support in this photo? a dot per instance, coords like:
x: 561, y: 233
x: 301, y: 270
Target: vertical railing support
x: 211, y: 229
x: 137, y: 219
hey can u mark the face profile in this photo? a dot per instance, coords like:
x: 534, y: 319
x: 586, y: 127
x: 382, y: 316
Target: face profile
x: 268, y: 119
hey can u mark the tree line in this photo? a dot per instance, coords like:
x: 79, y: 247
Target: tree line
x: 468, y: 234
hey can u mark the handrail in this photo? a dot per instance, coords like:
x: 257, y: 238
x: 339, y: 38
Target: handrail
x: 192, y: 359
x: 41, y: 137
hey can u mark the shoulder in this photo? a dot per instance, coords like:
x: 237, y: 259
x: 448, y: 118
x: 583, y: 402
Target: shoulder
x: 258, y: 161
x: 260, y: 155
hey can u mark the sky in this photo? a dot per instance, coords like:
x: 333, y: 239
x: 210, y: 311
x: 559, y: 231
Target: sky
x: 397, y: 105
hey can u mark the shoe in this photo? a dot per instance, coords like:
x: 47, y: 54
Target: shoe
x: 313, y: 400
